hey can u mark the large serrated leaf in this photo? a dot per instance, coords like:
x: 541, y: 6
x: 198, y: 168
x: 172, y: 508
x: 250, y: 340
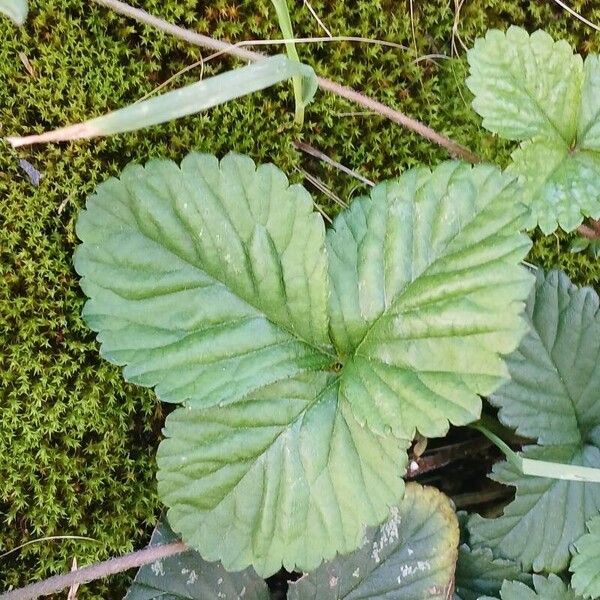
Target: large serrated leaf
x: 535, y: 90
x: 207, y: 281
x: 479, y: 573
x: 410, y: 557
x: 554, y: 396
x: 551, y: 588
x: 427, y: 293
x: 585, y: 565
x: 187, y: 576
x: 286, y: 476
x: 15, y: 9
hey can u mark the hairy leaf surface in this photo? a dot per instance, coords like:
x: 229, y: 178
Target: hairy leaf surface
x: 553, y: 396
x: 286, y: 476
x: 207, y: 281
x: 535, y: 90
x: 410, y: 557
x: 426, y: 294
x: 187, y: 576
x: 585, y: 565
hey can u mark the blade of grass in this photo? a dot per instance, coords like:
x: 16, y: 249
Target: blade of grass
x: 182, y: 102
x: 285, y: 24
x: 541, y: 468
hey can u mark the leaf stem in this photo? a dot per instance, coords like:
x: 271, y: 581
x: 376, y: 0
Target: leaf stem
x: 285, y: 24
x: 96, y: 571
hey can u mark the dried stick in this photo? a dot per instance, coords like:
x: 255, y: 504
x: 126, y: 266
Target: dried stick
x: 96, y: 571
x: 204, y: 41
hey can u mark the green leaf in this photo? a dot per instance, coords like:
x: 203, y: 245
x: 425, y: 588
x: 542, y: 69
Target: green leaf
x: 552, y: 588
x: 15, y: 9
x: 410, y: 557
x: 207, y: 281
x: 585, y: 565
x: 533, y: 89
x: 187, y: 100
x: 286, y: 476
x: 478, y: 573
x: 427, y: 294
x: 553, y: 396
x: 525, y: 86
x: 561, y: 186
x: 187, y: 576
x: 579, y: 244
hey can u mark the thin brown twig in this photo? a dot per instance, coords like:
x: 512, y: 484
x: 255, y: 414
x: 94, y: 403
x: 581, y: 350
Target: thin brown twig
x: 304, y: 147
x: 199, y: 39
x: 95, y: 571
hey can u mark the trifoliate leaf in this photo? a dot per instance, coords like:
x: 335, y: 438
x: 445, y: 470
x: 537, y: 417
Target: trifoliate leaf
x: 535, y: 90
x: 585, y: 565
x: 479, y: 573
x: 427, y: 293
x: 187, y: 576
x: 207, y: 281
x: 15, y: 9
x: 553, y: 396
x: 286, y: 476
x: 410, y: 557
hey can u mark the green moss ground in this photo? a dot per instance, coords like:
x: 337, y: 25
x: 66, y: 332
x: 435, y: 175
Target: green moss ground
x: 76, y: 443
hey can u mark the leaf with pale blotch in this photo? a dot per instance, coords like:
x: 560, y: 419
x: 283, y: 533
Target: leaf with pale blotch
x: 479, y: 573
x: 427, y: 293
x: 207, y: 281
x: 553, y: 396
x: 585, y: 565
x: 410, y: 557
x: 285, y: 476
x: 15, y: 9
x: 187, y: 576
x: 552, y: 588
x: 533, y: 89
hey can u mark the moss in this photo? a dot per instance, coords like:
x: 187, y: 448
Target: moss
x: 76, y: 443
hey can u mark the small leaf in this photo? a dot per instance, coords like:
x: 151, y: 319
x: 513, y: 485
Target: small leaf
x: 535, y: 90
x: 553, y: 396
x: 585, y: 565
x: 427, y: 293
x: 552, y: 588
x: 478, y: 573
x: 409, y: 557
x: 286, y: 476
x: 188, y: 100
x: 187, y: 576
x: 206, y: 281
x: 579, y: 244
x: 525, y: 86
x: 15, y: 9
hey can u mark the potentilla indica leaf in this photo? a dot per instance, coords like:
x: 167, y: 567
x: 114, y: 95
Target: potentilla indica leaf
x: 585, y: 565
x: 479, y: 573
x: 554, y: 397
x: 550, y: 588
x: 187, y: 576
x: 427, y: 293
x: 535, y: 90
x: 206, y: 281
x: 409, y: 557
x: 216, y: 284
x: 286, y: 476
